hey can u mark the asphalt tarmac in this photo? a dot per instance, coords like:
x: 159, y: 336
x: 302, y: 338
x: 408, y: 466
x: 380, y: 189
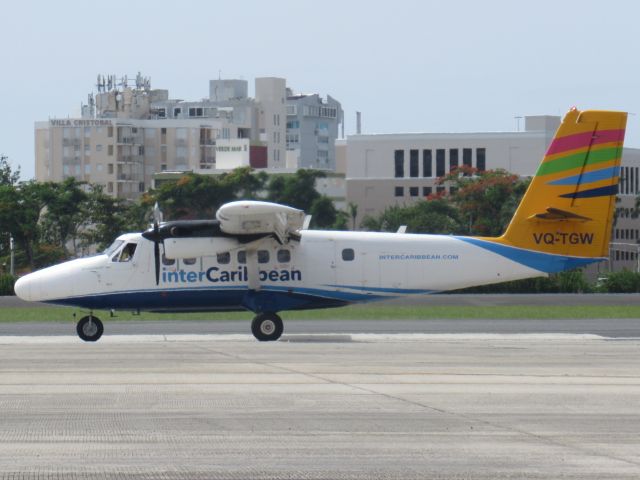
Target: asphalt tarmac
x: 352, y: 407
x: 392, y: 399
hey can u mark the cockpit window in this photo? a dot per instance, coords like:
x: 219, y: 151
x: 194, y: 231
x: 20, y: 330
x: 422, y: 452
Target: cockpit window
x: 127, y: 252
x: 113, y: 247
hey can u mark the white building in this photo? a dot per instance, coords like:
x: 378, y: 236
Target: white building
x: 397, y: 169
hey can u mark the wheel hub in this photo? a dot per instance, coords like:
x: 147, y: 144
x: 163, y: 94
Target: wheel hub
x: 267, y: 327
x: 90, y: 329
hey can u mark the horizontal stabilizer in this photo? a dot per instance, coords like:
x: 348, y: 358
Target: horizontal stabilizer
x: 557, y: 214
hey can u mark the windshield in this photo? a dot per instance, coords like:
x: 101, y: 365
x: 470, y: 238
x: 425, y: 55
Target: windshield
x: 114, y: 246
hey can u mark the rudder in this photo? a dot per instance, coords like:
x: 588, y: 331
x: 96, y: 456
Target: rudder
x: 568, y: 208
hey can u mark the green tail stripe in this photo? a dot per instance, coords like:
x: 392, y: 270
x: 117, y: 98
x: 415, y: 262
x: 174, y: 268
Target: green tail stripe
x: 577, y: 160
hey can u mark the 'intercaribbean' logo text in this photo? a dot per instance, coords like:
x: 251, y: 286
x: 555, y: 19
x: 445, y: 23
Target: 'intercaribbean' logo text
x: 216, y: 275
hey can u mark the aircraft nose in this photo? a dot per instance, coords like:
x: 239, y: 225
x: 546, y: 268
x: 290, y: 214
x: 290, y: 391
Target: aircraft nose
x: 23, y: 288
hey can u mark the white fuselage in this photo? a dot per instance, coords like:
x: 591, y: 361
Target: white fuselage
x: 322, y: 269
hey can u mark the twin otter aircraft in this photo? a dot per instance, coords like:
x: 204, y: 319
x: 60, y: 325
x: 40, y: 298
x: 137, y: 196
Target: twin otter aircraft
x: 259, y: 256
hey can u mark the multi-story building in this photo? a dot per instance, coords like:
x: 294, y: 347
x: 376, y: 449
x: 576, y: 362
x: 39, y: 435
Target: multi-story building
x: 127, y: 132
x: 397, y: 169
x: 312, y: 128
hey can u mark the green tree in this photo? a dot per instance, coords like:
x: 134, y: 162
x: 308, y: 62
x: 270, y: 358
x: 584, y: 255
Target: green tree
x: 353, y: 213
x: 323, y: 212
x: 7, y: 175
x: 199, y: 196
x: 67, y: 212
x: 425, y: 216
x: 297, y: 190
x: 485, y: 199
x: 20, y: 209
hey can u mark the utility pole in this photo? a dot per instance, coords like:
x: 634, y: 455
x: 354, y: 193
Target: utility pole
x: 12, y: 268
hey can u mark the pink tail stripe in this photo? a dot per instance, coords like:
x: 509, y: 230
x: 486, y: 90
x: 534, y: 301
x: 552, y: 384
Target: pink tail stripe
x: 580, y: 140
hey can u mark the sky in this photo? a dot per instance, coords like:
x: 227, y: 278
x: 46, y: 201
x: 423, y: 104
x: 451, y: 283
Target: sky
x: 408, y: 66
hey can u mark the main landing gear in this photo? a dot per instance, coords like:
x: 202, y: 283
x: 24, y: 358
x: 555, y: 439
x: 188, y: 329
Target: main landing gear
x: 267, y: 327
x: 90, y: 328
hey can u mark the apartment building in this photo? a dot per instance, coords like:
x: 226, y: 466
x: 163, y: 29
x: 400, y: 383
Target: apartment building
x: 127, y: 132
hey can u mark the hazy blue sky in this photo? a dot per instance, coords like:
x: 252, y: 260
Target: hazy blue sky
x: 407, y: 65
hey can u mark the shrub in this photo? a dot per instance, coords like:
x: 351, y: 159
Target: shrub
x: 624, y: 281
x: 6, y: 284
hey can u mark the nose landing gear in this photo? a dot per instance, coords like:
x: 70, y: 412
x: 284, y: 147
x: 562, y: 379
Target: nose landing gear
x: 90, y: 328
x: 267, y: 327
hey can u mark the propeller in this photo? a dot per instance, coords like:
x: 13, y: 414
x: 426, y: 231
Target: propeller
x: 156, y: 250
x: 157, y: 218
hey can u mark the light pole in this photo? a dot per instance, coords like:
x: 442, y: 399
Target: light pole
x: 12, y: 268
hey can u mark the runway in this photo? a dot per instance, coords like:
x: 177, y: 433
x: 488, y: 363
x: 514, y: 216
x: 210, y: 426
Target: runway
x: 332, y: 406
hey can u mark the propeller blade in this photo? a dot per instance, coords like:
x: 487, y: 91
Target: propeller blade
x: 156, y: 251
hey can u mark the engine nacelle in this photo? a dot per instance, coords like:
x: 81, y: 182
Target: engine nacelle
x: 252, y: 217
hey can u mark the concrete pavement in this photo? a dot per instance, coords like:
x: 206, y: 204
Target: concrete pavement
x: 356, y: 407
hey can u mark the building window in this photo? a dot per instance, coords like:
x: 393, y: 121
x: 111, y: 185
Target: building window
x: 440, y: 189
x: 284, y: 256
x: 98, y: 148
x: 466, y: 158
x: 426, y: 164
x: 110, y: 150
x: 177, y: 111
x: 110, y: 187
x: 263, y: 256
x: 481, y: 160
x: 399, y: 192
x: 414, y: 165
x: 348, y: 254
x: 453, y: 190
x: 413, y: 191
x: 223, y: 258
x: 195, y: 112
x: 453, y: 159
x: 242, y: 256
x: 440, y: 169
x: 110, y: 132
x: 426, y: 191
x: 110, y: 168
x: 399, y: 163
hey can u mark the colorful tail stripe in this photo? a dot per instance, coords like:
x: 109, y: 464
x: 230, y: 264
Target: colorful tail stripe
x: 582, y: 140
x: 588, y: 177
x: 594, y: 192
x: 577, y: 160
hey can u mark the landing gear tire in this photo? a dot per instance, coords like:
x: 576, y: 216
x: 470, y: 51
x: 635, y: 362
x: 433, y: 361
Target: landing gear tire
x: 267, y: 327
x: 90, y: 328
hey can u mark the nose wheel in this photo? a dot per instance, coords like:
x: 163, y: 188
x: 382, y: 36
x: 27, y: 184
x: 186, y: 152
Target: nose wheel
x: 90, y: 328
x: 267, y: 327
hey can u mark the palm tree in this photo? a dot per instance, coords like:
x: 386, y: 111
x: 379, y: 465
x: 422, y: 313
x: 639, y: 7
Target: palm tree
x: 353, y: 213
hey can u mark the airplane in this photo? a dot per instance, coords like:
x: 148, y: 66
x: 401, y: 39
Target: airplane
x: 261, y: 256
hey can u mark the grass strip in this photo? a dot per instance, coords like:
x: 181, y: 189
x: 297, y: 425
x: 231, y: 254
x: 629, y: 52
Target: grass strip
x: 353, y: 312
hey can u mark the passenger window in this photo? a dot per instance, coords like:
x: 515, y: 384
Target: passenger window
x: 284, y: 256
x: 167, y: 262
x: 189, y: 261
x: 263, y: 256
x: 224, y: 258
x: 242, y: 256
x: 127, y: 252
x: 348, y: 254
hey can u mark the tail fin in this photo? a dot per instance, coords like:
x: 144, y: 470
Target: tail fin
x: 568, y: 207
